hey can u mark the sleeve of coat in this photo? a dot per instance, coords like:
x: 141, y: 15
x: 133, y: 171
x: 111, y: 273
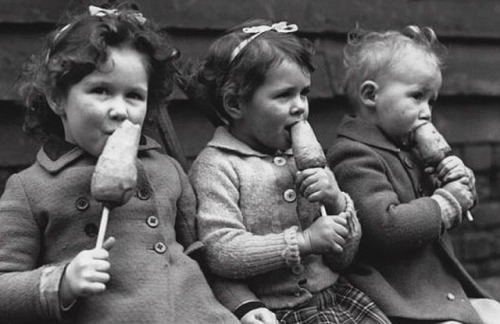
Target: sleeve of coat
x: 389, y: 225
x: 28, y: 292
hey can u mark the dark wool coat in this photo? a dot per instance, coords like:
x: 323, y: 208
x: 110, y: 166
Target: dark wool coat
x: 406, y: 262
x: 47, y: 216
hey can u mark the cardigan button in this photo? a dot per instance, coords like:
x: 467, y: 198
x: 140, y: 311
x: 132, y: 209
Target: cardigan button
x: 152, y: 221
x: 450, y: 297
x: 143, y: 194
x: 160, y: 248
x: 279, y: 161
x: 82, y: 204
x: 290, y: 195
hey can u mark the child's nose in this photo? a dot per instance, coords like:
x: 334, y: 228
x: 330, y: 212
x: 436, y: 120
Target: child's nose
x: 118, y: 110
x: 426, y: 112
x: 299, y: 106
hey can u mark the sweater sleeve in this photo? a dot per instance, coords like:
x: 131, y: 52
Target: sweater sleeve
x: 29, y: 292
x: 389, y: 224
x: 233, y: 251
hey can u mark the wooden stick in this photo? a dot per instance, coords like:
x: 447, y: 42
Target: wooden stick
x: 469, y: 216
x: 323, y: 210
x: 102, y: 227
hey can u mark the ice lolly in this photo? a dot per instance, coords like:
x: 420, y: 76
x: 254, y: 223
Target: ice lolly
x: 432, y: 147
x: 307, y: 151
x: 430, y: 144
x: 115, y: 175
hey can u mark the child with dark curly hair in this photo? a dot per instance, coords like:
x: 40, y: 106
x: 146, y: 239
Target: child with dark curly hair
x: 105, y: 67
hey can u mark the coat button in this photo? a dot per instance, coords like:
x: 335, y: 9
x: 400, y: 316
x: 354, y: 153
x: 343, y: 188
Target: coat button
x: 450, y: 297
x: 279, y: 161
x: 82, y: 204
x: 408, y: 162
x: 152, y: 221
x: 143, y: 193
x: 160, y: 248
x: 91, y: 230
x: 290, y: 195
x: 302, y: 282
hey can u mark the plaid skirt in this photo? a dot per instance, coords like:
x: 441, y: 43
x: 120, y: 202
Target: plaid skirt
x: 340, y: 303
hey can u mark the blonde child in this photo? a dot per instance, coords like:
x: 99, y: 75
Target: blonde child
x: 258, y: 216
x: 406, y: 263
x: 102, y: 68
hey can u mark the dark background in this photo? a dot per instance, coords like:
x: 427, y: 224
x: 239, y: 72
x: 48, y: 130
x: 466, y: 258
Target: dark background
x: 467, y: 112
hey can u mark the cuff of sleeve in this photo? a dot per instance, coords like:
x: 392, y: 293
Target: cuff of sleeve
x: 49, y: 290
x: 349, y: 211
x: 244, y: 308
x: 291, y: 253
x: 451, y: 212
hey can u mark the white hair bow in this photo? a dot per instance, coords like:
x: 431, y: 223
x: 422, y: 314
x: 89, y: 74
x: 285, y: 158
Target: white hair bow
x: 101, y: 12
x: 281, y: 27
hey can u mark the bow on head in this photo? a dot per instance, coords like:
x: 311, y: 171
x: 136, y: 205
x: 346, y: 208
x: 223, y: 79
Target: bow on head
x: 101, y: 12
x: 281, y: 27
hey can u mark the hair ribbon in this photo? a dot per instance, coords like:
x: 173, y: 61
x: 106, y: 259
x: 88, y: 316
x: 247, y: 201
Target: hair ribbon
x: 281, y: 27
x: 101, y: 12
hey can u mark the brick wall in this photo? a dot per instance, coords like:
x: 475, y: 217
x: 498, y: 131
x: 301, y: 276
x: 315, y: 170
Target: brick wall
x: 467, y: 112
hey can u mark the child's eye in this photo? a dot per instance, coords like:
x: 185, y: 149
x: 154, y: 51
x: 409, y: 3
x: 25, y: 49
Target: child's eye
x: 100, y: 91
x: 432, y: 102
x: 418, y: 96
x: 137, y: 96
x: 305, y: 92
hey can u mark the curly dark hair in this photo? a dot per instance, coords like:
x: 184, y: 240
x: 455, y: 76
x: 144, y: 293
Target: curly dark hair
x: 80, y: 47
x: 220, y: 74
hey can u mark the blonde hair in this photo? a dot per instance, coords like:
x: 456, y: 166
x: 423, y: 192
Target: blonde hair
x: 370, y: 54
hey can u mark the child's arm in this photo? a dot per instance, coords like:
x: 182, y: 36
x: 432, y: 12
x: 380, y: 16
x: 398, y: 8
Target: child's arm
x: 29, y: 291
x: 389, y: 224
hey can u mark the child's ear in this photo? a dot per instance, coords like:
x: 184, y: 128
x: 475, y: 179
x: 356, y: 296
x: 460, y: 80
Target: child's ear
x: 368, y: 92
x: 232, y: 106
x: 55, y: 104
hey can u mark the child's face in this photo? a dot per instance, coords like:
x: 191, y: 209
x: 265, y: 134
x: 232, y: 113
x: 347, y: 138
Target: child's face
x: 277, y: 104
x: 406, y: 94
x: 95, y: 106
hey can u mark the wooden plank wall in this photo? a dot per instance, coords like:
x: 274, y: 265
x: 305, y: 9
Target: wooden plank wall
x: 467, y: 111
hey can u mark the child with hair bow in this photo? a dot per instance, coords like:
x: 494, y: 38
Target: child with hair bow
x: 102, y: 69
x: 257, y: 215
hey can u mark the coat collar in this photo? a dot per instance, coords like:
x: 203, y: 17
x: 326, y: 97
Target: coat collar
x: 365, y: 132
x: 56, y: 153
x: 223, y: 139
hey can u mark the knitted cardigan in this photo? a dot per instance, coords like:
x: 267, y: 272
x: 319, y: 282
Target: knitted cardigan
x: 248, y: 216
x: 48, y: 215
x: 406, y: 262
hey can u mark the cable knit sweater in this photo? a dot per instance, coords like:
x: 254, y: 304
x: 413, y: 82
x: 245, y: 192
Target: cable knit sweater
x: 248, y: 216
x: 47, y: 216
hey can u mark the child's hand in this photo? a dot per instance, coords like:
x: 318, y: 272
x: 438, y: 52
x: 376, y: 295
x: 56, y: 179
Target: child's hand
x: 259, y: 315
x: 451, y: 168
x: 320, y: 185
x: 460, y: 189
x: 87, y: 273
x: 326, y: 235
